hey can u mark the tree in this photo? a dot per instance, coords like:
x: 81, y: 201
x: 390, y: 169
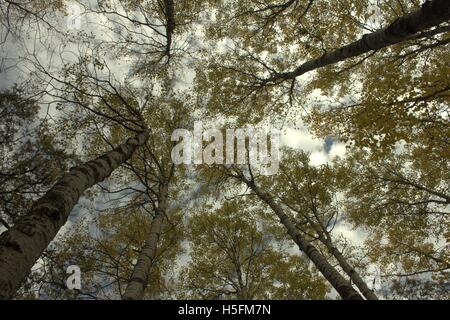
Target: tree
x: 150, y: 177
x: 251, y: 72
x: 154, y: 30
x: 372, y: 75
x: 159, y: 176
x: 400, y: 96
x: 22, y: 244
x: 105, y: 245
x: 311, y: 194
x: 404, y: 209
x: 15, y: 15
x: 234, y: 256
x: 244, y: 175
x: 432, y: 14
x: 26, y: 144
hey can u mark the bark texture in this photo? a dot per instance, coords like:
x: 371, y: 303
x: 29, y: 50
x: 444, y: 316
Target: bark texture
x: 342, y: 286
x: 22, y: 245
x: 139, y: 278
x: 349, y: 270
x: 431, y: 14
x: 170, y: 25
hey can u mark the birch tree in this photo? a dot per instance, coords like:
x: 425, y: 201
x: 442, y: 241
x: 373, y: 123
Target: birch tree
x: 235, y: 255
x: 373, y: 75
x: 311, y: 194
x: 432, y: 14
x: 345, y: 290
x: 248, y: 65
x: 161, y: 170
x: 22, y: 244
x: 244, y: 176
x: 105, y: 245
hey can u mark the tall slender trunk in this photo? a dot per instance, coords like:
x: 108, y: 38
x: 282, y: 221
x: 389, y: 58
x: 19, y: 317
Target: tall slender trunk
x: 242, y: 290
x: 170, y: 25
x: 21, y: 245
x: 348, y: 269
x: 431, y: 14
x: 343, y: 287
x: 139, y: 278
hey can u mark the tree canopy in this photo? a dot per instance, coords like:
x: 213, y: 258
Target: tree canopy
x: 95, y: 95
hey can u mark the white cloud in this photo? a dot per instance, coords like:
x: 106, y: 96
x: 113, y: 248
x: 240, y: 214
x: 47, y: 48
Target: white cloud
x: 317, y: 158
x: 337, y: 150
x: 301, y: 139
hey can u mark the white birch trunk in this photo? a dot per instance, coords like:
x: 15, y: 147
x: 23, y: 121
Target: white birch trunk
x: 22, y: 245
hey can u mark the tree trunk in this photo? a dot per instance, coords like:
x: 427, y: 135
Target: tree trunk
x: 170, y: 25
x: 139, y: 278
x: 348, y: 269
x: 21, y: 245
x: 343, y: 287
x: 431, y: 14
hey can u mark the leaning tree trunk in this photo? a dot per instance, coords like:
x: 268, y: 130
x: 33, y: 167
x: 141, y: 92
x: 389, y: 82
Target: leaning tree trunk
x: 349, y: 270
x: 139, y: 278
x: 342, y: 286
x: 431, y: 14
x: 21, y: 245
